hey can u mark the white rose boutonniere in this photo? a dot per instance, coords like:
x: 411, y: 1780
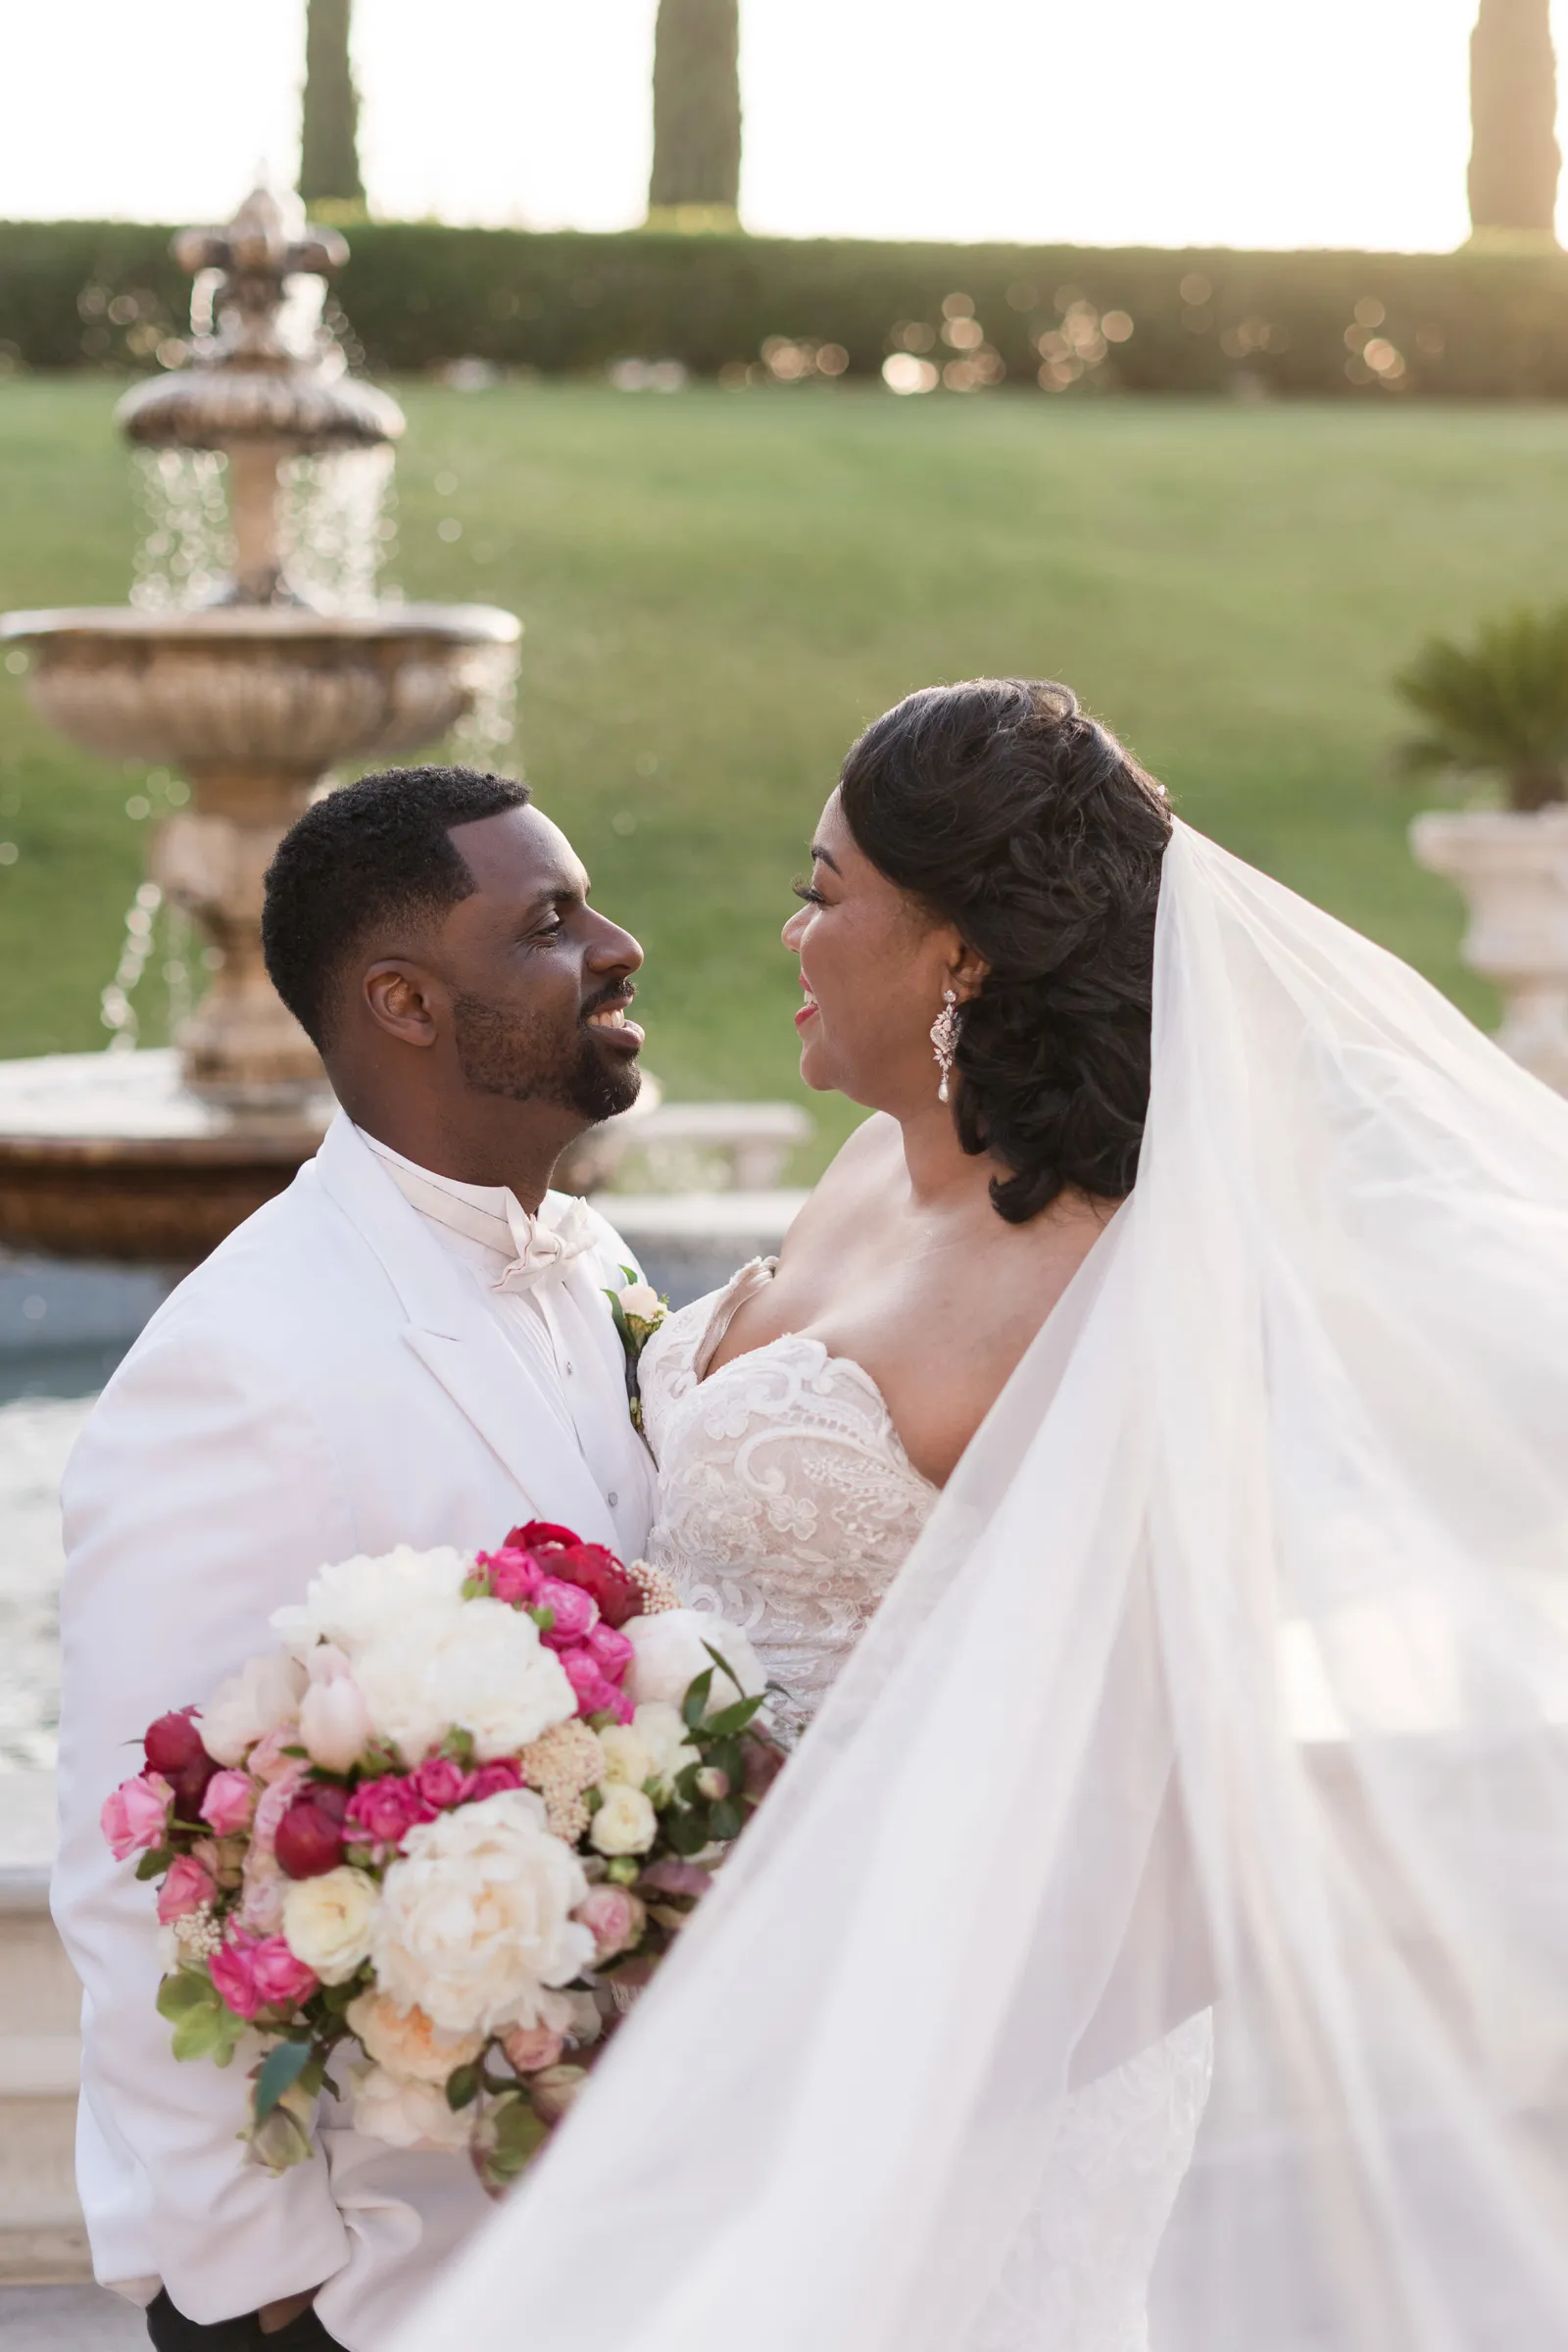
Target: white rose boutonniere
x: 638, y: 1311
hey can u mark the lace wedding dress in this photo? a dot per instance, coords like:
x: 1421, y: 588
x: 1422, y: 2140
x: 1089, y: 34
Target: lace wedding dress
x: 787, y: 1505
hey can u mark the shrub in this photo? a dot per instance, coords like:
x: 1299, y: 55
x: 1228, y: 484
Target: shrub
x: 1078, y: 319
x: 1498, y: 708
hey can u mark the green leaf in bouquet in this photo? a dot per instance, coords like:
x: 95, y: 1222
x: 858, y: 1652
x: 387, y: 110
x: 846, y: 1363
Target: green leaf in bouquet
x: 188, y: 1989
x: 693, y: 1707
x: 506, y: 2139
x: 687, y: 1832
x: 463, y: 2088
x: 336, y: 1998
x: 474, y: 1587
x: 153, y: 1865
x: 725, y: 1756
x: 729, y: 1722
x: 685, y: 1783
x: 281, y: 2070
x: 208, y: 2034
x: 725, y: 1820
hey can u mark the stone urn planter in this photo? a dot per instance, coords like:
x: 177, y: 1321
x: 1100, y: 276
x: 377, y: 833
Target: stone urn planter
x: 1512, y: 867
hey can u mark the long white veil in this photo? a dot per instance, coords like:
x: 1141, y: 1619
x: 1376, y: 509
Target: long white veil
x: 1231, y: 1676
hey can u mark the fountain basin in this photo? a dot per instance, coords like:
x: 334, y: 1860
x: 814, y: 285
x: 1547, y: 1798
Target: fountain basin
x: 265, y: 691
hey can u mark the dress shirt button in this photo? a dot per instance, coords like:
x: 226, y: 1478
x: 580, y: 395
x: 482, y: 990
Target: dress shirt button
x: 611, y: 1499
x: 568, y: 1371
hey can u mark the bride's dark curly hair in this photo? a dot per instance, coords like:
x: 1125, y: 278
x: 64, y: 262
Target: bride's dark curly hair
x: 1012, y: 816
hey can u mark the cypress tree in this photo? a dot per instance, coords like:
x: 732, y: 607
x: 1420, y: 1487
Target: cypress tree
x: 1514, y: 156
x: 697, y: 111
x: 329, y: 162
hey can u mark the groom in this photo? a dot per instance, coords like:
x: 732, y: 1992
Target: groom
x: 410, y: 1345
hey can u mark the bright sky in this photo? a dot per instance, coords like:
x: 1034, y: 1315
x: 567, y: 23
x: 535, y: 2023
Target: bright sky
x: 1165, y: 122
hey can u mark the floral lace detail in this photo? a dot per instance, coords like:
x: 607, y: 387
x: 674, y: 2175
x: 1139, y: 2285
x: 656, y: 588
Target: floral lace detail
x: 787, y: 1504
x: 1076, y: 2277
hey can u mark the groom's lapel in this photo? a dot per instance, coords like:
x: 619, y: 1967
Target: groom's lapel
x: 521, y: 1415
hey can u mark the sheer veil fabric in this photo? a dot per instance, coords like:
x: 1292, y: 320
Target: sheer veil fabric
x: 1229, y: 1677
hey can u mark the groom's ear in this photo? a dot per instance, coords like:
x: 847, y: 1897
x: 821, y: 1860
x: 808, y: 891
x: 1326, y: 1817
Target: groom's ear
x: 404, y: 999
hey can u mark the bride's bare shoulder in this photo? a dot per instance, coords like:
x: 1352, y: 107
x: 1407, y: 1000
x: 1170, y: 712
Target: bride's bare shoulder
x: 862, y: 1170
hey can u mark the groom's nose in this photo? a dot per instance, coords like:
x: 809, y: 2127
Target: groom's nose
x: 612, y: 949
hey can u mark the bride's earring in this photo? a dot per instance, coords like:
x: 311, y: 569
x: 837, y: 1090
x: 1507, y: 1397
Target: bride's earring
x: 945, y: 1039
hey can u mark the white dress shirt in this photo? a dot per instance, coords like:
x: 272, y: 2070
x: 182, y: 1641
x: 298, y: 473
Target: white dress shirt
x: 549, y: 1324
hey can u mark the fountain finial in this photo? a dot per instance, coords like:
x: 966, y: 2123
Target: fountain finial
x: 267, y: 388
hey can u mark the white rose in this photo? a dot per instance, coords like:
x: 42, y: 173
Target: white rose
x: 629, y: 1759
x: 327, y: 1921
x: 406, y: 2113
x: 482, y: 1667
x: 405, y: 2042
x: 264, y: 1694
x: 641, y: 1298
x: 663, y: 1732
x: 357, y: 1601
x: 672, y: 1651
x: 475, y: 1917
x: 335, y: 1722
x: 625, y: 1822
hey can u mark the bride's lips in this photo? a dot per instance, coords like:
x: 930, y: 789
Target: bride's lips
x: 808, y: 1012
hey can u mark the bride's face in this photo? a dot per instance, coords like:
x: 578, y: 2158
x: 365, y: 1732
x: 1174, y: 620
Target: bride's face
x: 873, y: 968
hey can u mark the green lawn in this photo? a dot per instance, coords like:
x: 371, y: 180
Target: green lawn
x: 718, y: 590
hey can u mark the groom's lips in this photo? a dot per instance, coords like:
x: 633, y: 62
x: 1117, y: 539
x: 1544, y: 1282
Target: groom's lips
x: 607, y: 1020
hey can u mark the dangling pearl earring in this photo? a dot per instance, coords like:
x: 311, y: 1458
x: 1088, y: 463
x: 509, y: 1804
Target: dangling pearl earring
x: 945, y: 1039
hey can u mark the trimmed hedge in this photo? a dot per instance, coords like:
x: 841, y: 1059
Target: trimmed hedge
x: 1468, y: 326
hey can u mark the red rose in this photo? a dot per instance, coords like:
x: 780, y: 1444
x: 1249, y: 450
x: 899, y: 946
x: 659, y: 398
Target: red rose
x: 594, y: 1570
x: 310, y: 1835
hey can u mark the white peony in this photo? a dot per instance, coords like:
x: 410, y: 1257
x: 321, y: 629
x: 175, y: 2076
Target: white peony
x: 672, y: 1651
x: 625, y: 1822
x: 264, y: 1694
x: 405, y: 2041
x: 475, y: 1917
x: 354, y: 1602
x: 482, y: 1667
x: 663, y: 1732
x: 335, y: 1722
x: 629, y: 1759
x: 406, y: 2112
x: 327, y: 1921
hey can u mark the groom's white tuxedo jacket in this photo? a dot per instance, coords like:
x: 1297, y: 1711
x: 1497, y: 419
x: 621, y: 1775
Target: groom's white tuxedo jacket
x: 331, y: 1381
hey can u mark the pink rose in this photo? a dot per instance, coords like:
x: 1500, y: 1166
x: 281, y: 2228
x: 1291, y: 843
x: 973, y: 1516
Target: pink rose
x: 575, y: 1612
x: 185, y: 1889
x: 233, y: 1972
x: 514, y: 1576
x: 614, y: 1918
x: 264, y: 1887
x: 279, y: 1978
x: 276, y: 1801
x: 229, y: 1802
x: 676, y: 1878
x: 493, y: 1780
x: 610, y: 1651
x: 266, y: 1761
x: 441, y: 1783
x: 595, y: 1695
x: 383, y: 1811
x: 136, y: 1815
x: 529, y: 2048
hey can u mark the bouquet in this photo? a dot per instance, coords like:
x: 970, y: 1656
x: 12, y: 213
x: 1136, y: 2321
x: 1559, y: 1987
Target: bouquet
x: 448, y: 1828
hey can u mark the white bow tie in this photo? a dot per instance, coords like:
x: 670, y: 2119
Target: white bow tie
x: 532, y: 1248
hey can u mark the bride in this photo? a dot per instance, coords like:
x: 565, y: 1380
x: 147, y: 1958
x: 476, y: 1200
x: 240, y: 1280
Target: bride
x: 1162, y: 1933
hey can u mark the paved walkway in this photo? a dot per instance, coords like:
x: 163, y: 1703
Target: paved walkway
x: 69, y: 2319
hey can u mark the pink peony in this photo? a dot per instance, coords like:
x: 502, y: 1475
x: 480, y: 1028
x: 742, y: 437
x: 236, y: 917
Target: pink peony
x: 494, y: 1780
x: 136, y: 1815
x: 514, y: 1577
x: 263, y: 1888
x: 266, y: 1761
x: 187, y: 1887
x: 233, y: 1972
x: 610, y: 1651
x: 441, y: 1783
x: 595, y: 1695
x: 280, y: 1980
x: 383, y: 1811
x: 575, y: 1612
x: 614, y: 1918
x: 529, y: 2048
x: 229, y: 1802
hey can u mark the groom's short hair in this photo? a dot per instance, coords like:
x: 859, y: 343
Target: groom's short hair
x: 362, y: 860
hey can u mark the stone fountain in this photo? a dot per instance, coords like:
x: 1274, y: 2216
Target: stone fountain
x: 254, y: 695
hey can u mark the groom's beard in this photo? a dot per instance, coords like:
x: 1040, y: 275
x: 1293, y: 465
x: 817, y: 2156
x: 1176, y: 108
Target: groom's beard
x: 530, y: 1062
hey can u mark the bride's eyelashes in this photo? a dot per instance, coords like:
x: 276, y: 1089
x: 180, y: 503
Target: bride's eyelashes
x: 809, y: 893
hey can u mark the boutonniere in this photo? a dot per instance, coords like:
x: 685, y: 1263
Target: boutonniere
x: 638, y: 1311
